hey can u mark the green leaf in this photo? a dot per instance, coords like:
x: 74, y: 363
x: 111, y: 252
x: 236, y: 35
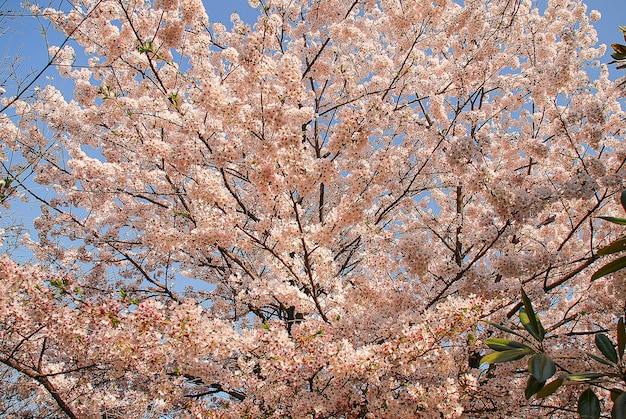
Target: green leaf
x: 505, y: 356
x: 622, y: 199
x: 615, y: 220
x: 145, y: 47
x: 532, y: 387
x: 498, y: 344
x: 616, y: 246
x: 541, y: 366
x: 588, y: 405
x: 549, y: 388
x: 609, y: 268
x: 582, y: 378
x: 538, y: 333
x: 5, y: 183
x: 600, y: 360
x: 615, y: 393
x: 619, y: 48
x: 619, y: 407
x: 621, y: 337
x: 530, y: 320
x: 606, y: 347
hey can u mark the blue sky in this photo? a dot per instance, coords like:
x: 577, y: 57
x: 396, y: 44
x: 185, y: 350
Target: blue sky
x: 613, y: 15
x: 24, y: 37
x: 21, y: 36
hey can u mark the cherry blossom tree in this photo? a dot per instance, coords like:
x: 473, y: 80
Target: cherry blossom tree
x: 319, y: 215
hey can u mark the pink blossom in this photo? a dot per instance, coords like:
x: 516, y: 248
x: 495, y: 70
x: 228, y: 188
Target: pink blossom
x: 311, y: 215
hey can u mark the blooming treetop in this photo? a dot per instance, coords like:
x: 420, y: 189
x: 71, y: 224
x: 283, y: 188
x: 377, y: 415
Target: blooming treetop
x: 359, y: 184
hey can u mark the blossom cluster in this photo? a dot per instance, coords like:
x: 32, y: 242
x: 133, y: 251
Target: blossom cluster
x: 310, y: 216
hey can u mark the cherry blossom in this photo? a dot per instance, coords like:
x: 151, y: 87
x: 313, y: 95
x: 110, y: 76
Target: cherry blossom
x: 310, y: 216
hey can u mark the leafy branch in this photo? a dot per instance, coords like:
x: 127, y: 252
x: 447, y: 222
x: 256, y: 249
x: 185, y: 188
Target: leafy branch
x: 619, y: 56
x: 615, y: 247
x: 542, y: 368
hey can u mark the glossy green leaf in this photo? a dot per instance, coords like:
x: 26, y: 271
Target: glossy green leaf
x: 615, y: 220
x: 615, y: 393
x: 621, y: 337
x: 619, y: 407
x: 600, y: 360
x: 541, y: 366
x: 505, y: 356
x: 581, y: 378
x: 623, y: 199
x: 588, y: 405
x: 532, y: 387
x: 609, y: 268
x: 534, y: 325
x: 616, y: 246
x: 534, y: 328
x: 549, y: 388
x: 498, y: 344
x: 605, y: 346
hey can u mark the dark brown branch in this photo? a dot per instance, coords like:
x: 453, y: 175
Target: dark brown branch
x: 44, y: 381
x: 308, y: 68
